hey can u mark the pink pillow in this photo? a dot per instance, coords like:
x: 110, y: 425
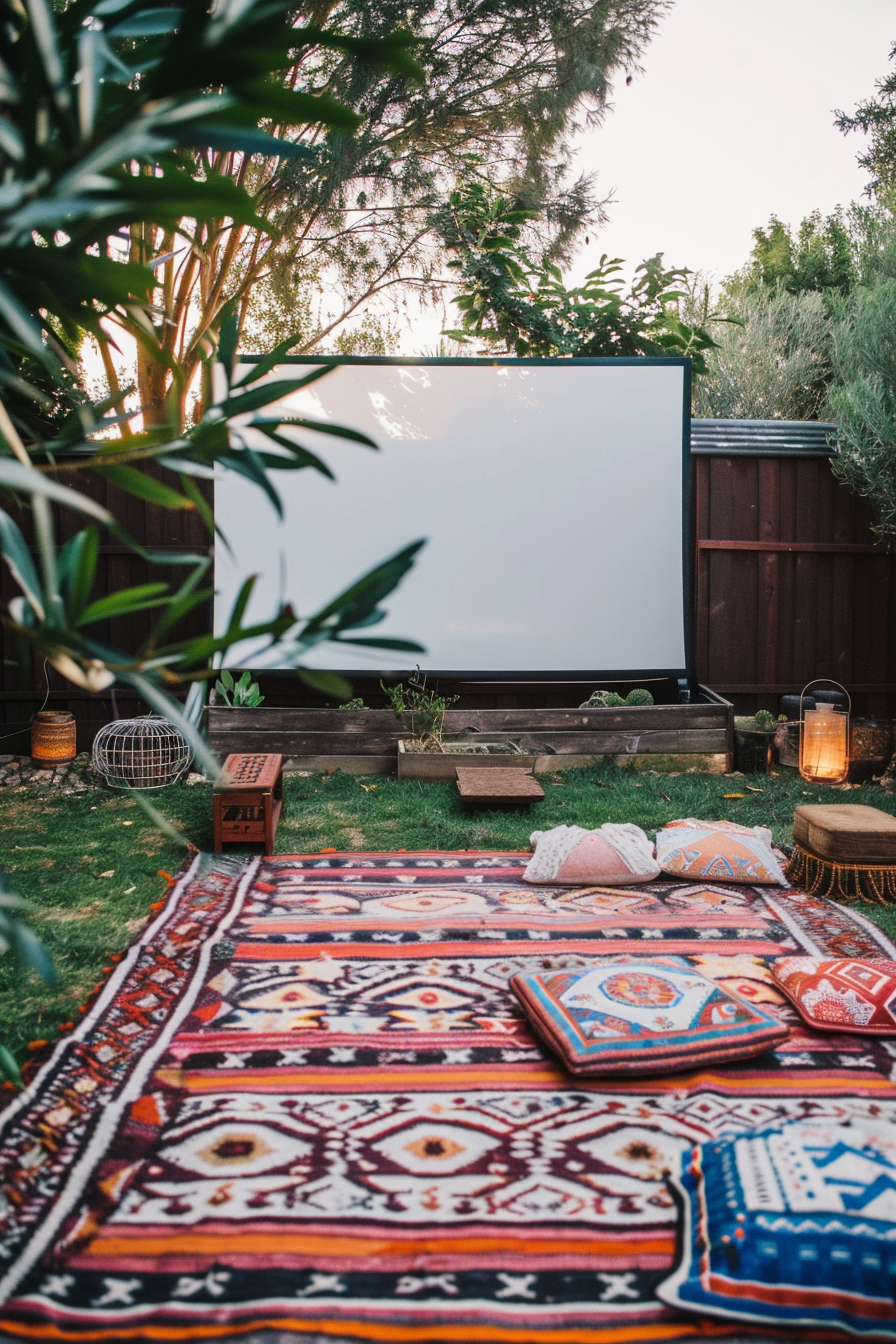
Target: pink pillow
x: 609, y: 857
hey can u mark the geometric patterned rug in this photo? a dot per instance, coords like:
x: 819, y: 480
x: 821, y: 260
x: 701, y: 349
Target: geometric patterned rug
x: 306, y: 1106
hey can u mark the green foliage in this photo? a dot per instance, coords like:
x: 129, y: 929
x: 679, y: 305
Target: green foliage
x: 356, y: 702
x: 639, y: 696
x: 504, y: 85
x: 30, y: 954
x: 346, y: 221
x: 244, y: 693
x: 423, y: 710
x: 105, y: 105
x: 863, y: 397
x: 773, y: 363
x: 765, y: 720
x: 820, y: 258
x: 876, y: 119
x: 514, y: 304
x: 603, y: 700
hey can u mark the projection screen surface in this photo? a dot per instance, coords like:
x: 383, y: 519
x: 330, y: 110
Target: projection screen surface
x: 552, y: 496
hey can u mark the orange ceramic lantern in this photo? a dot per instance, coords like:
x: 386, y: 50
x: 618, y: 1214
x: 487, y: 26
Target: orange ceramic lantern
x: 54, y: 737
x: 824, y: 741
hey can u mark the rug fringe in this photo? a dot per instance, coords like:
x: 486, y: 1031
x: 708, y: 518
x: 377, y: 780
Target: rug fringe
x: 842, y: 881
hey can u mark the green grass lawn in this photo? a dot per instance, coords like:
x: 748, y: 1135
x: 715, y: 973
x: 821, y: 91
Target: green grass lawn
x: 89, y: 863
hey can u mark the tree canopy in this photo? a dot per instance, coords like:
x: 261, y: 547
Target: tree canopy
x: 347, y: 214
x: 820, y: 257
x: 876, y: 118
x: 514, y: 303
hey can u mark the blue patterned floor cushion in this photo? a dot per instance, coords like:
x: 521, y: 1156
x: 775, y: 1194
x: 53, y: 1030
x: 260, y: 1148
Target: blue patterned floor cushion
x: 642, y: 1015
x: 794, y: 1226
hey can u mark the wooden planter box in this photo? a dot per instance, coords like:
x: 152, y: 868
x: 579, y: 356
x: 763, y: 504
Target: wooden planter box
x: 442, y: 765
x: 365, y: 741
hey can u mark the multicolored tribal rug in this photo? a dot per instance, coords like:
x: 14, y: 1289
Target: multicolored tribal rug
x: 306, y: 1102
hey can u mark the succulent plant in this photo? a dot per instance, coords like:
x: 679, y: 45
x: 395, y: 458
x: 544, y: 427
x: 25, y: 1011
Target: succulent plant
x: 602, y: 700
x: 596, y: 700
x: 639, y: 696
x: 244, y: 693
x: 765, y: 720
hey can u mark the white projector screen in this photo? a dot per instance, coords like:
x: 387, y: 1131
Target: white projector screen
x: 553, y: 496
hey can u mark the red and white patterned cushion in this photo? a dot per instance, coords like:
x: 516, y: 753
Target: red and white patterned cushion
x: 844, y: 995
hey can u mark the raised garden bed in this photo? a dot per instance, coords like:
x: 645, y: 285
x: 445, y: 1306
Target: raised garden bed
x: 365, y: 741
x: 442, y: 765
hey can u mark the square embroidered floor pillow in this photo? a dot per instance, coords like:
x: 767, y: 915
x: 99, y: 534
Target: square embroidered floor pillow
x: 642, y: 1015
x: 794, y: 1226
x: 614, y: 855
x: 732, y: 827
x: 718, y: 851
x: 844, y: 995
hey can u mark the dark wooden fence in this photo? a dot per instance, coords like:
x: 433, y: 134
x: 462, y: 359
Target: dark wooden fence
x: 789, y: 583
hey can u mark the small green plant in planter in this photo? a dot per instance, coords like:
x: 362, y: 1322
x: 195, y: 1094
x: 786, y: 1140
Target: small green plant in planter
x: 357, y: 702
x: 612, y: 700
x: 423, y: 709
x: 242, y: 694
x: 602, y: 700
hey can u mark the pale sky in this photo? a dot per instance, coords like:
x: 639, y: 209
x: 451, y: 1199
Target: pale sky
x: 732, y: 121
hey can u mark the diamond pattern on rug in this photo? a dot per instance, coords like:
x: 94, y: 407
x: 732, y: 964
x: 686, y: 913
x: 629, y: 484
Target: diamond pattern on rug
x: 307, y: 1102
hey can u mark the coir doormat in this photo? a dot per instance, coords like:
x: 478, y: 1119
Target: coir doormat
x: 307, y: 1103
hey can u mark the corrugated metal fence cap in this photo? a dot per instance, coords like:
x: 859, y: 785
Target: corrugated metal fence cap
x: 762, y: 438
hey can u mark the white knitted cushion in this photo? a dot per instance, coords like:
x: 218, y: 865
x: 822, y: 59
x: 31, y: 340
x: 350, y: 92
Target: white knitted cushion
x: 614, y: 855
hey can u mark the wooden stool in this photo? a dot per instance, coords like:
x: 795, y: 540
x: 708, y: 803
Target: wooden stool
x: 248, y: 798
x: 497, y: 787
x: 846, y: 850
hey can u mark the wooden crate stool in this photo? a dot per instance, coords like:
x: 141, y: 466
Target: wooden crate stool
x: 248, y: 798
x: 844, y: 850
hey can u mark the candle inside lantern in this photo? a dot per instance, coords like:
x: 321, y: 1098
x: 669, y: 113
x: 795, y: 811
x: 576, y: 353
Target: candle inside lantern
x: 824, y: 752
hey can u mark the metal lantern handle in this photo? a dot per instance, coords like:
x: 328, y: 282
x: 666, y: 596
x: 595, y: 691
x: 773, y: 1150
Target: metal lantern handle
x: 827, y: 681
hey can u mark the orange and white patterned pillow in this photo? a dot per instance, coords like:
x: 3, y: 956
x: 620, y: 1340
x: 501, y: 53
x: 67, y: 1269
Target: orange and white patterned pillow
x: 732, y: 827
x: 718, y: 851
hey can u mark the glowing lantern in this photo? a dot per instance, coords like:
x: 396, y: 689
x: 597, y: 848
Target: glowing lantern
x: 824, y: 740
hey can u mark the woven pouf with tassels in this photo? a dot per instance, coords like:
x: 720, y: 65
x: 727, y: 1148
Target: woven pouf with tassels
x: 844, y: 851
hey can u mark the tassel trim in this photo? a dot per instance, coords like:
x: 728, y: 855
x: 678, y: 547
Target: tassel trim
x: 841, y: 881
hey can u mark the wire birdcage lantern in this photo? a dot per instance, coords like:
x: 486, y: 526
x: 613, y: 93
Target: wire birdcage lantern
x: 147, y: 752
